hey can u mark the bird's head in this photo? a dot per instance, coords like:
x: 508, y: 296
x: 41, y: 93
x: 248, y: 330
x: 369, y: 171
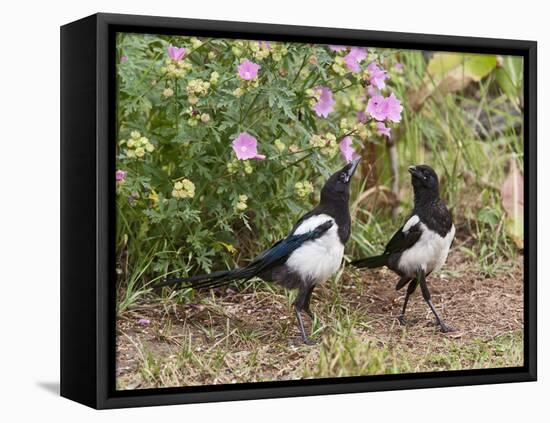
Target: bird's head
x: 337, y: 186
x: 424, y: 181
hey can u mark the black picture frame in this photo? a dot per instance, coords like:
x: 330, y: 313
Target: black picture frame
x: 87, y: 211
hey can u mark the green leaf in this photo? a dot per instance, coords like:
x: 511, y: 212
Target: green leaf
x: 489, y: 216
x: 463, y: 67
x: 449, y: 72
x: 509, y: 77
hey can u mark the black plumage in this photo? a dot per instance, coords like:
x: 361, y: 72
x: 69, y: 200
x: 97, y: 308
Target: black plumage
x: 310, y: 254
x: 421, y: 245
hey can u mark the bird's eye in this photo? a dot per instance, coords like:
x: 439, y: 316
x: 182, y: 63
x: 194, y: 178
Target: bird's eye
x: 342, y: 177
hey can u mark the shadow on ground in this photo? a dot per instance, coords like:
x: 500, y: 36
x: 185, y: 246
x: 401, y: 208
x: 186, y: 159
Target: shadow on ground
x: 51, y: 387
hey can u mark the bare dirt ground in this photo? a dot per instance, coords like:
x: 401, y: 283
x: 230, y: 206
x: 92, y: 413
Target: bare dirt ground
x: 230, y: 336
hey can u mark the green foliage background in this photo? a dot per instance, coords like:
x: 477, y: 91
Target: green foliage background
x: 462, y: 115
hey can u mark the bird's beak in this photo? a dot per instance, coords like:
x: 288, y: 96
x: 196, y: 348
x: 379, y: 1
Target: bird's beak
x: 352, y: 167
x: 414, y: 172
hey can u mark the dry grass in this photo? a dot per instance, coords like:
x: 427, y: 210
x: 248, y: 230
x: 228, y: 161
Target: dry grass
x: 228, y: 336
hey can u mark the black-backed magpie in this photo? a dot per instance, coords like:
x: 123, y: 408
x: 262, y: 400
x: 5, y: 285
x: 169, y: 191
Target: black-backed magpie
x: 310, y: 254
x: 421, y: 245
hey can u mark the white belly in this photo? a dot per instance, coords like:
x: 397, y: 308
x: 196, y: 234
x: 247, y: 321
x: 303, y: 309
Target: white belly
x: 429, y: 253
x: 321, y: 258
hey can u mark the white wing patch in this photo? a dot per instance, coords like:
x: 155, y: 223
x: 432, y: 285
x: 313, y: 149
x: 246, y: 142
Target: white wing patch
x: 311, y: 223
x: 317, y: 259
x: 410, y: 223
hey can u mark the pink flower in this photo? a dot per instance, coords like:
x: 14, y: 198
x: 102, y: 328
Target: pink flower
x: 376, y: 107
x: 325, y: 102
x: 245, y: 147
x: 337, y: 48
x: 398, y: 67
x: 144, y: 322
x: 383, y: 130
x: 382, y: 108
x: 176, y: 53
x: 372, y: 91
x: 377, y: 75
x: 248, y: 70
x: 120, y: 175
x: 347, y: 151
x: 355, y: 56
x: 393, y: 108
x: 123, y: 59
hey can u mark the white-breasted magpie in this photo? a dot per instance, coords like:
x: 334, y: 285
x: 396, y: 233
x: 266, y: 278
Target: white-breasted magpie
x: 310, y: 254
x: 422, y: 244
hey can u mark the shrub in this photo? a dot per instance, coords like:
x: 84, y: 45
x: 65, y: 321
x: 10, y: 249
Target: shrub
x: 223, y: 144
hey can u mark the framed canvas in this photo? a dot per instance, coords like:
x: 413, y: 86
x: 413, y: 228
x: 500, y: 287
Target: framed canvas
x: 258, y: 211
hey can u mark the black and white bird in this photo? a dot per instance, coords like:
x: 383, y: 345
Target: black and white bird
x: 422, y: 244
x: 309, y: 255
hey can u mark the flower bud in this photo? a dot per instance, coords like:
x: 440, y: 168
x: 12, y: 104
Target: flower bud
x: 279, y: 145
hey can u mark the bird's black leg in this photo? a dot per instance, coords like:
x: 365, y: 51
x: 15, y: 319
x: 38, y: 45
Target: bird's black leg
x: 298, y: 304
x: 410, y: 289
x: 427, y: 298
x: 307, y: 301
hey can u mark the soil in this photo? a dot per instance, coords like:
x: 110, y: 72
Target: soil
x: 258, y: 321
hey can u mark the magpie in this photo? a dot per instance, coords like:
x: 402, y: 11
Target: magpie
x: 309, y: 255
x: 422, y: 244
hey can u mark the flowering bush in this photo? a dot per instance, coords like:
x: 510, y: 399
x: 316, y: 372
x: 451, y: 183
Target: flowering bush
x: 222, y: 144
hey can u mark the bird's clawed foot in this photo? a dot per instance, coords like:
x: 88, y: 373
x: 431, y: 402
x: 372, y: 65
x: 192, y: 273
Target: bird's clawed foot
x: 446, y: 328
x: 401, y: 319
x: 305, y: 338
x: 309, y: 341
